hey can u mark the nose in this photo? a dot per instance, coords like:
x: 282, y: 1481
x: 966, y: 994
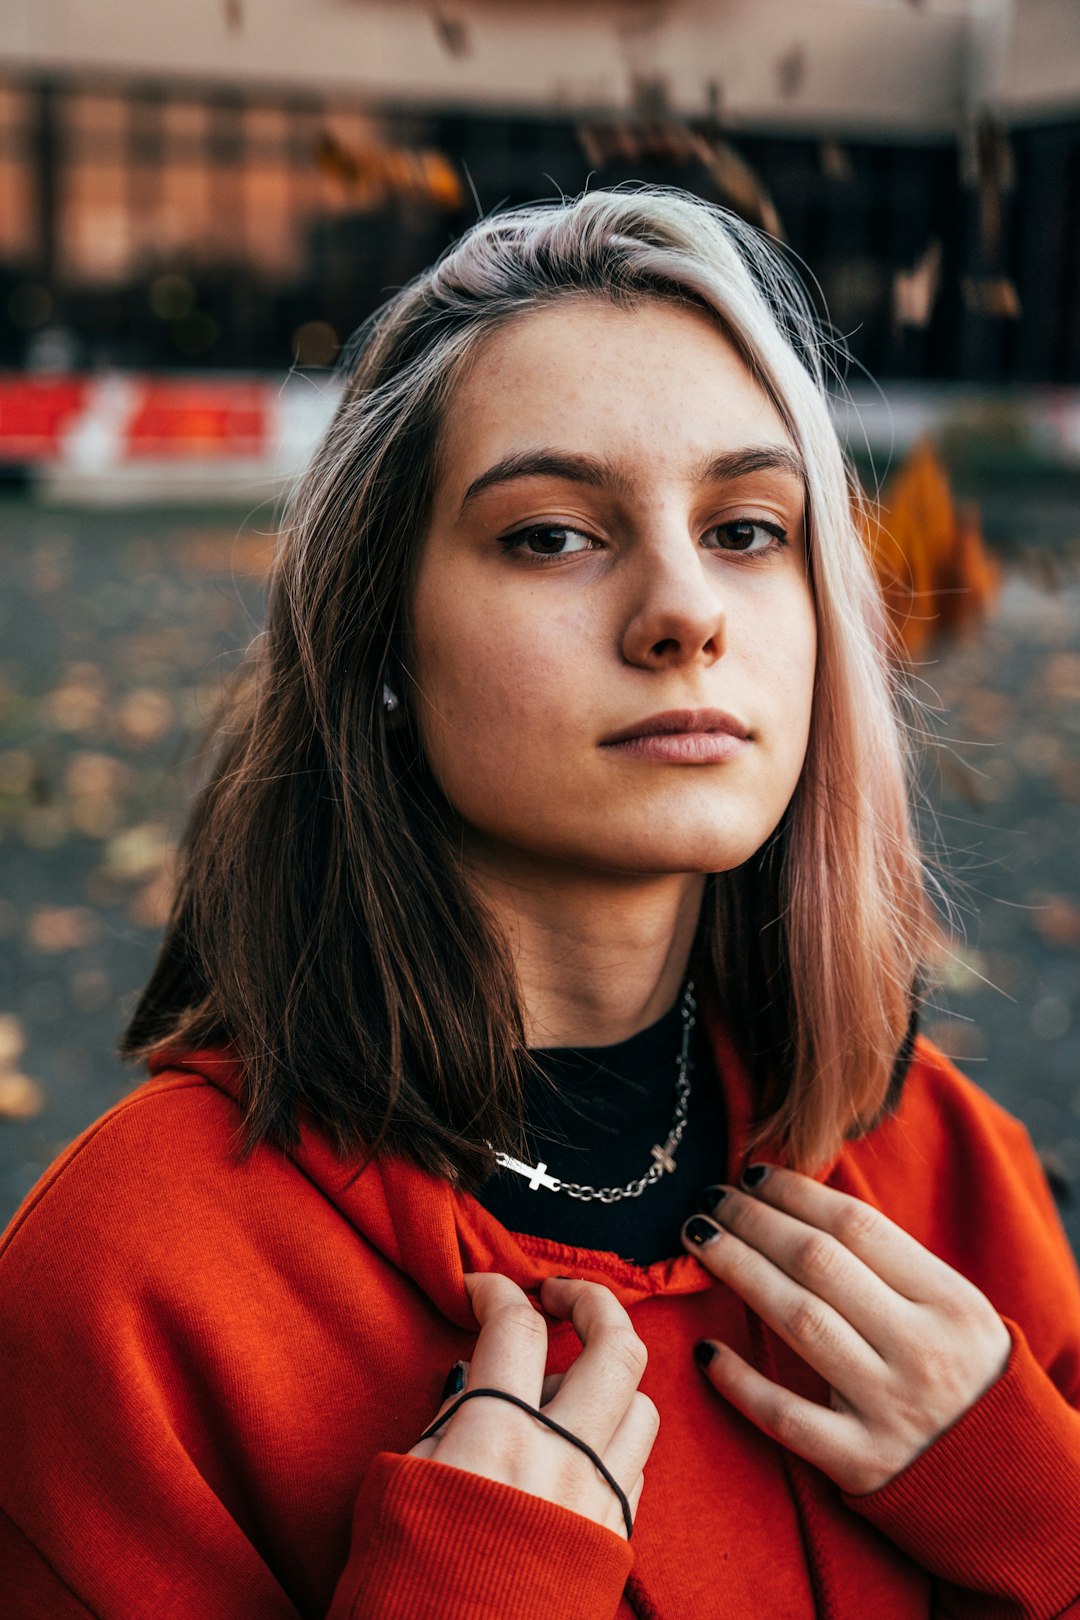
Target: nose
x: 677, y: 616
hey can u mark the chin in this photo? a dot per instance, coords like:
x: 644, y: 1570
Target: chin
x: 670, y: 842
x: 674, y: 861
x: 666, y: 855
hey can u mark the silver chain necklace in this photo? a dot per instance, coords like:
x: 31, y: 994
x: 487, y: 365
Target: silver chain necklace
x: 663, y: 1157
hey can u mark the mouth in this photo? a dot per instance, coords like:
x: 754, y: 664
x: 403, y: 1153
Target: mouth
x: 681, y: 722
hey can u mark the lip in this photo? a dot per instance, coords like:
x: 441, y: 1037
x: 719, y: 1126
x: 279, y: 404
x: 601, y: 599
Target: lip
x: 680, y: 722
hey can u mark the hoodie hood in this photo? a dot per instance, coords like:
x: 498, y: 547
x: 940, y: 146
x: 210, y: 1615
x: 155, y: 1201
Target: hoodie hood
x: 434, y: 1233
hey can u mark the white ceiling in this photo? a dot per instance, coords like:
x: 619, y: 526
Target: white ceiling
x: 873, y: 65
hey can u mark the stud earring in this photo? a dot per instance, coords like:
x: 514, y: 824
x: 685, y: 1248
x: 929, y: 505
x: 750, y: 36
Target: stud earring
x: 390, y: 699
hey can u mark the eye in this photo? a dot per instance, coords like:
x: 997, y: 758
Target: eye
x: 549, y: 540
x: 750, y: 536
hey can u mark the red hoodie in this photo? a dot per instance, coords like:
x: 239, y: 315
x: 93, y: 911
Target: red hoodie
x: 211, y: 1372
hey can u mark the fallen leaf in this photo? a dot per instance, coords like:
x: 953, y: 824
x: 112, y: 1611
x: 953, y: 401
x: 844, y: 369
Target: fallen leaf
x: 94, y: 783
x: 94, y: 775
x: 1039, y: 751
x: 964, y: 970
x: 227, y: 553
x: 791, y: 71
x: 20, y: 1097
x: 62, y: 928
x: 136, y: 854
x: 94, y: 818
x: 1057, y: 920
x: 145, y: 716
x: 1061, y: 677
x: 12, y: 1039
x: 151, y: 906
x: 451, y: 32
x: 991, y: 295
x: 78, y: 702
x: 915, y: 291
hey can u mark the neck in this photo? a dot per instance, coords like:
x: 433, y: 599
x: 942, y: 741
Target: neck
x: 598, y: 956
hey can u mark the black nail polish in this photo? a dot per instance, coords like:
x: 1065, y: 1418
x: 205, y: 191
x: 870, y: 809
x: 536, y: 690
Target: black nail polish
x: 711, y: 1199
x: 704, y: 1352
x: 455, y: 1380
x: 754, y: 1175
x: 699, y: 1230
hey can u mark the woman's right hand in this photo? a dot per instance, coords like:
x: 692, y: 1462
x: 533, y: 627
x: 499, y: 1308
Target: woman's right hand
x: 597, y: 1399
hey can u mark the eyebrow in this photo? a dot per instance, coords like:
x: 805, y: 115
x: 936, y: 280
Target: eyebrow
x: 578, y: 468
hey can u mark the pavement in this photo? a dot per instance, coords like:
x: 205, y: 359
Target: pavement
x: 118, y: 628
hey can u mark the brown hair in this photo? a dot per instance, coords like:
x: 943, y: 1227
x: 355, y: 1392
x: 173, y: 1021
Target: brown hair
x: 322, y: 925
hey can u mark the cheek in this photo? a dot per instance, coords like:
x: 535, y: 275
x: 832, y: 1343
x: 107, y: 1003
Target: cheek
x: 780, y: 640
x: 492, y: 691
x: 797, y: 662
x: 796, y: 666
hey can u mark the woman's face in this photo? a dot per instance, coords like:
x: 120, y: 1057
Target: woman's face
x: 616, y: 536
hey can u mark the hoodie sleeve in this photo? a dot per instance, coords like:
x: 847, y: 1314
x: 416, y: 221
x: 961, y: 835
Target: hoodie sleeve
x: 429, y: 1543
x: 434, y: 1541
x: 992, y: 1506
x: 182, y: 1428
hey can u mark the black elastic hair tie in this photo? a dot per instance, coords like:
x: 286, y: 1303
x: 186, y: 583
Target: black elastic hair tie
x: 575, y: 1440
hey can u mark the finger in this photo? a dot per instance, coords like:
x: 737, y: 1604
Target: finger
x: 511, y: 1350
x: 451, y: 1392
x: 822, y: 1264
x: 813, y: 1329
x: 819, y: 1435
x: 615, y: 1519
x: 892, y: 1254
x: 598, y: 1388
x: 627, y: 1452
x: 552, y: 1385
x: 426, y: 1448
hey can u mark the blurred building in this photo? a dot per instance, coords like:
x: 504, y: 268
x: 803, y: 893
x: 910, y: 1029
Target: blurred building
x: 236, y: 183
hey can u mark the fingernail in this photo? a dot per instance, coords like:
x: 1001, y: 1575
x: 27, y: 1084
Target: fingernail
x: 699, y: 1230
x: 754, y: 1175
x: 704, y: 1352
x: 711, y: 1199
x: 455, y: 1380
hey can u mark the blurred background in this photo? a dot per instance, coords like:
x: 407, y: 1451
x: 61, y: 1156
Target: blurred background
x: 201, y: 199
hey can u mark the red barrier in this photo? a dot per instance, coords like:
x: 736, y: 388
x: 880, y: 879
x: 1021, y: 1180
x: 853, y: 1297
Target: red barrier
x: 198, y: 419
x: 35, y: 412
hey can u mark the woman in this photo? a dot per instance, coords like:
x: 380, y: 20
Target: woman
x: 555, y: 863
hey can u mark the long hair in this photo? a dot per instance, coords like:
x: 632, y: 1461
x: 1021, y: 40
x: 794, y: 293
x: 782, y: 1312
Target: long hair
x: 322, y: 926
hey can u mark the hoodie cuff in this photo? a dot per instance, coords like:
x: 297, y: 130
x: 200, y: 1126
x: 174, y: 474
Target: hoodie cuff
x: 432, y: 1540
x: 993, y: 1504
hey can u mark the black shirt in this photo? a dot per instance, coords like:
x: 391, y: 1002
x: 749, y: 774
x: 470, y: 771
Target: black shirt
x: 613, y: 1103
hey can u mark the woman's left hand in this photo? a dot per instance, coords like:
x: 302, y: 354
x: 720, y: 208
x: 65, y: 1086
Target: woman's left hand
x: 906, y: 1343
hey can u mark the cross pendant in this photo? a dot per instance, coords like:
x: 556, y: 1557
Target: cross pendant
x: 537, y: 1175
x: 663, y: 1157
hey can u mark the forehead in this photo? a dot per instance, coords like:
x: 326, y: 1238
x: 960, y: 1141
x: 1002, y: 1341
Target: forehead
x: 658, y: 379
